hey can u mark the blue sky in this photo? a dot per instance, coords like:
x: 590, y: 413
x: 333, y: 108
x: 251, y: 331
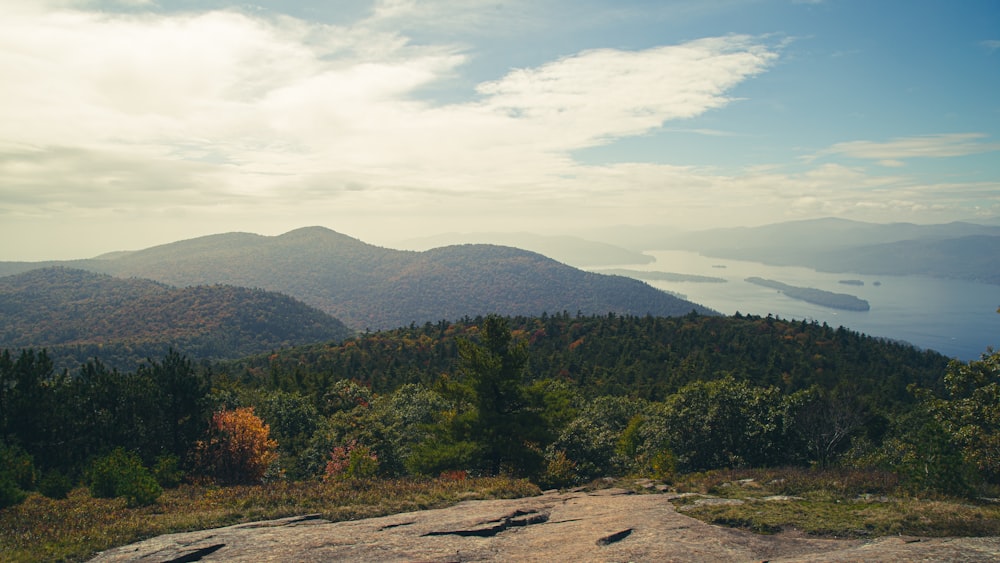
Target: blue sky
x: 129, y: 123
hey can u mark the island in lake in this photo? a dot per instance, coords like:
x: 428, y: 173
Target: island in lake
x: 852, y: 282
x: 815, y: 296
x: 661, y: 276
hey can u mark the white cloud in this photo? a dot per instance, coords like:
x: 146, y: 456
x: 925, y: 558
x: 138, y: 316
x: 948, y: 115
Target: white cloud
x: 272, y: 107
x: 135, y: 3
x: 231, y: 121
x: 462, y: 18
x: 708, y: 132
x: 923, y: 146
x: 598, y: 95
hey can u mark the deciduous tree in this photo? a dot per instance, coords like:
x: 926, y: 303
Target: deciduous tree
x: 239, y: 449
x: 970, y: 412
x: 724, y: 423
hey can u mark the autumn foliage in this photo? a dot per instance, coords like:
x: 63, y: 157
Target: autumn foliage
x: 351, y: 461
x: 239, y: 449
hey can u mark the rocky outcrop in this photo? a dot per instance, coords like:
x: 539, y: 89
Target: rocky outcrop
x: 607, y: 525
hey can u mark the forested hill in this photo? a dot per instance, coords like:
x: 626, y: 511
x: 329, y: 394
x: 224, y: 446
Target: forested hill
x: 566, y: 249
x: 642, y: 357
x: 78, y: 314
x: 371, y: 287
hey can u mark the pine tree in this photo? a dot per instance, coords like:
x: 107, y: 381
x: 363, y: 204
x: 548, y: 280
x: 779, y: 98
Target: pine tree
x: 505, y: 426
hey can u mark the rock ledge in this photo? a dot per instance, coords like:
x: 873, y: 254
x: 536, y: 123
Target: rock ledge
x: 608, y: 525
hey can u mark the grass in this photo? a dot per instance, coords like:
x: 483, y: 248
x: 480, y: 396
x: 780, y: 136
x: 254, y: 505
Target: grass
x: 76, y: 528
x: 831, y: 503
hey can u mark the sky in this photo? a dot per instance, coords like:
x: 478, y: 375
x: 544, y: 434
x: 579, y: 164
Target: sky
x: 130, y: 123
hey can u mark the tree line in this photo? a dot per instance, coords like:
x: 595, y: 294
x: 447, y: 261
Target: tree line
x: 560, y: 400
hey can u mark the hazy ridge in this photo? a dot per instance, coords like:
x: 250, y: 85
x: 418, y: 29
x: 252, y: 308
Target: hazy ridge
x: 964, y: 251
x: 574, y: 251
x: 370, y: 287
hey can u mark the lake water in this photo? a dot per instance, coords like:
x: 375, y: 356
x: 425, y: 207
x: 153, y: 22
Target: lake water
x: 956, y: 318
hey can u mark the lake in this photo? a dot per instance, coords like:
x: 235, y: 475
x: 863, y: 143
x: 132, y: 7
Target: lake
x: 956, y: 318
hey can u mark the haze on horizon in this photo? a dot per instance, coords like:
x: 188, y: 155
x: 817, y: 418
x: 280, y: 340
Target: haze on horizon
x: 130, y: 123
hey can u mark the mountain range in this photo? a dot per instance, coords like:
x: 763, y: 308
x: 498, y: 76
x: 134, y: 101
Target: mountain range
x: 958, y: 250
x: 370, y: 287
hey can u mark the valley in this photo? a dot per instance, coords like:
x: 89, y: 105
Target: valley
x: 154, y: 378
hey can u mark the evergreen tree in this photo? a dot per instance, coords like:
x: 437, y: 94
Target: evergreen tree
x: 506, y: 429
x: 181, y: 394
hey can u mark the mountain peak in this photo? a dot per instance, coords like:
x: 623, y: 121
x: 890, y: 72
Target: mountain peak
x: 314, y: 230
x: 316, y: 233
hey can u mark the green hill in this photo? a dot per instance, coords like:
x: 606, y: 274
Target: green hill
x: 78, y: 314
x: 642, y: 357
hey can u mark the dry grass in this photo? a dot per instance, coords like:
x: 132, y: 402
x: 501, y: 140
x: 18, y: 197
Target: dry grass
x: 844, y: 483
x: 832, y: 503
x: 836, y: 503
x: 73, y: 529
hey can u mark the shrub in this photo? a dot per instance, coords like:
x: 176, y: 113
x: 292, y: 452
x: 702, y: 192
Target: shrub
x: 17, y: 465
x: 560, y: 471
x: 55, y: 485
x: 935, y: 464
x: 293, y: 420
x: 434, y: 457
x: 9, y: 493
x: 122, y: 474
x: 239, y: 449
x: 17, y: 474
x: 589, y: 444
x: 351, y: 461
x: 454, y: 475
x: 167, y: 471
x: 922, y: 453
x: 663, y: 465
x: 644, y: 446
x: 723, y: 423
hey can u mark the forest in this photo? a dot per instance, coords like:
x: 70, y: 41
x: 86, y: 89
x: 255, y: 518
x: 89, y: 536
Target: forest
x: 815, y: 296
x: 78, y: 315
x: 558, y: 399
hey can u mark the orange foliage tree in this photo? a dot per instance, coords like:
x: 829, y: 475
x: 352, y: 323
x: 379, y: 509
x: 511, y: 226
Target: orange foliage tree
x: 238, y: 449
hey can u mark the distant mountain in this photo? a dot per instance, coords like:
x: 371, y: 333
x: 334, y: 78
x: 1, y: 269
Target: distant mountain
x: 634, y: 237
x: 370, y: 287
x: 78, y: 314
x: 11, y: 268
x: 570, y: 250
x: 964, y: 251
x: 971, y: 258
x: 822, y: 234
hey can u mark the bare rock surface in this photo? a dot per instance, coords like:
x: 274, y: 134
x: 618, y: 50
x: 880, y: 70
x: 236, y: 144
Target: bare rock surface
x: 608, y: 525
